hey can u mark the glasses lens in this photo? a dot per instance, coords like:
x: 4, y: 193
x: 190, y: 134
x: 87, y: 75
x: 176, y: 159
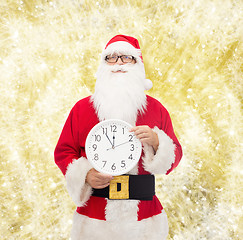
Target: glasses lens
x: 127, y: 58
x: 111, y: 59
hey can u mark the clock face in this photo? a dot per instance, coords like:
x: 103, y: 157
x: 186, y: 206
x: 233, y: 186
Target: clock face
x: 111, y: 148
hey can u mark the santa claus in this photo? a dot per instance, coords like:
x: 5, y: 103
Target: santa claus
x: 119, y: 94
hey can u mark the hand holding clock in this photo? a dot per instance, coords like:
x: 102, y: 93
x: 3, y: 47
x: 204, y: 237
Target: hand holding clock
x: 98, y: 180
x: 146, y: 135
x: 119, y: 160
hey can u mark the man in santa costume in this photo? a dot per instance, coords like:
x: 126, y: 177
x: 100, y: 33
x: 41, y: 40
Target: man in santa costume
x: 119, y: 94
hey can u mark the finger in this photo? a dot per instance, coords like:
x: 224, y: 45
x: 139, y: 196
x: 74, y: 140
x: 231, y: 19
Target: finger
x: 133, y: 129
x: 137, y: 128
x: 138, y: 132
x: 105, y: 185
x: 105, y: 177
x: 145, y: 140
x: 143, y: 129
x: 102, y: 183
x: 100, y: 186
x: 142, y: 135
x: 99, y: 183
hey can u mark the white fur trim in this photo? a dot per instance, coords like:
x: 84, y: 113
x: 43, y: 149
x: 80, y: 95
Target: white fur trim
x: 77, y: 188
x: 161, y: 162
x: 122, y: 47
x: 155, y: 228
x: 128, y: 213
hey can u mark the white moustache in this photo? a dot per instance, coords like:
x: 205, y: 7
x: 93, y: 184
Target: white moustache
x: 117, y: 68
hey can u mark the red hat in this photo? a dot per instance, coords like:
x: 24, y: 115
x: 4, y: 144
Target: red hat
x: 126, y: 45
x: 130, y: 40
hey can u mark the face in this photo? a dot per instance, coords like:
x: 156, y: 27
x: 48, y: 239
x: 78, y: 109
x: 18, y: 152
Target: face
x: 119, y: 59
x: 119, y: 89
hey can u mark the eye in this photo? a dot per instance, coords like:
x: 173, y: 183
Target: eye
x: 111, y: 58
x: 127, y: 58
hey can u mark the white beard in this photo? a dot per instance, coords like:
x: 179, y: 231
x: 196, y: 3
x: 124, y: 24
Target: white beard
x: 120, y: 95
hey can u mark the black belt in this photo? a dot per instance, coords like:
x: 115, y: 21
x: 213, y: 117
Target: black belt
x: 139, y: 187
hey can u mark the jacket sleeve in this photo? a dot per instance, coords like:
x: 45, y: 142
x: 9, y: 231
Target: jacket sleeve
x: 169, y: 152
x: 71, y: 163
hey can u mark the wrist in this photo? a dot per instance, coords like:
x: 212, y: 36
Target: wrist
x: 156, y: 142
x: 87, y: 176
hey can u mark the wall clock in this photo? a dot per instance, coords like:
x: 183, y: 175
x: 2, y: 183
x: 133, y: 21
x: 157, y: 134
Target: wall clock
x: 111, y: 148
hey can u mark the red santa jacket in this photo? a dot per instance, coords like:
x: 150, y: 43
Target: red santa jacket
x: 71, y: 147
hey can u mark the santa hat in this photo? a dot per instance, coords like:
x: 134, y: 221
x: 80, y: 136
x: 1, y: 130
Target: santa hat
x: 129, y: 46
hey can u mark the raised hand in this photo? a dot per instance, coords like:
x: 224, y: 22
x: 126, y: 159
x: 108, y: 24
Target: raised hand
x: 146, y: 135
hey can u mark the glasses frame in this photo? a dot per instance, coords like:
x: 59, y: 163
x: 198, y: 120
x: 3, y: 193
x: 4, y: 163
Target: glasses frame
x: 121, y: 57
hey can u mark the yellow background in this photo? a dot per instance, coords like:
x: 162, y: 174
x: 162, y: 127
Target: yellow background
x: 49, y: 54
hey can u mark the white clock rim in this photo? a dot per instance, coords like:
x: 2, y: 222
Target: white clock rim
x: 102, y: 170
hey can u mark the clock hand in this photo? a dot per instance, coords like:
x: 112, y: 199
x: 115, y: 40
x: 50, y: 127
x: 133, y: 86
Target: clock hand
x: 113, y: 145
x: 118, y: 145
x: 109, y: 139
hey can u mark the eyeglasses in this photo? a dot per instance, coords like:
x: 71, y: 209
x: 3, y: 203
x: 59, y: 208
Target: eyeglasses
x: 124, y: 58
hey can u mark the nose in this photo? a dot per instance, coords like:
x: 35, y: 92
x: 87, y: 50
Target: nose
x: 119, y: 61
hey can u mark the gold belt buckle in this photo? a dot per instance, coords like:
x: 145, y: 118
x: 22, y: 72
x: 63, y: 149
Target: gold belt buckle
x: 124, y: 192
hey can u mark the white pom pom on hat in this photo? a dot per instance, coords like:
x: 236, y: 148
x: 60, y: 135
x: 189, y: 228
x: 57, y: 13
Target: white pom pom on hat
x: 148, y: 84
x: 126, y: 45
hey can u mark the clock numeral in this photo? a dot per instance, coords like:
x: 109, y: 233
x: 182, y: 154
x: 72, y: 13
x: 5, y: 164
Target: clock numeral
x: 97, y: 138
x: 131, y: 137
x: 104, y: 131
x: 132, y: 147
x: 123, y: 163
x: 104, y: 163
x: 113, y: 128
x: 96, y: 157
x: 123, y: 130
x: 113, y: 167
x: 94, y: 147
x: 130, y: 157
